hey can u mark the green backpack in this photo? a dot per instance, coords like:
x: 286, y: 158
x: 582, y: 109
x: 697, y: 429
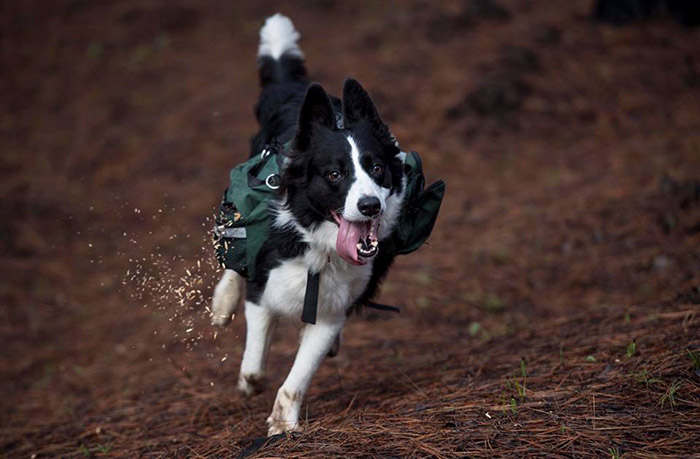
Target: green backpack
x: 243, y: 220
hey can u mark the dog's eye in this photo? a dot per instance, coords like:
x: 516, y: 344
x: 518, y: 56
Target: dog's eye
x: 334, y: 176
x: 377, y: 169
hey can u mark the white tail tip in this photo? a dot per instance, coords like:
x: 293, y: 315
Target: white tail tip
x: 277, y: 37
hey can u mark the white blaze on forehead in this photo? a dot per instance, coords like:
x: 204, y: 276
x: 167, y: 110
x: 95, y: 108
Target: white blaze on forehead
x: 363, y: 186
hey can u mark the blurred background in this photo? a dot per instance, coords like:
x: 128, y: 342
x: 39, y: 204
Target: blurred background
x: 568, y: 134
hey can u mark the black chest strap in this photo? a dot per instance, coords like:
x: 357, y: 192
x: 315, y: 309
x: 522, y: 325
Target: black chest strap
x: 308, y: 314
x: 313, y: 282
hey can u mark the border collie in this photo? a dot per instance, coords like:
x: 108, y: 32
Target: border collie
x: 342, y: 187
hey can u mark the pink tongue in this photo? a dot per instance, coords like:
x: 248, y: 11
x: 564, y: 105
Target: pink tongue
x: 349, y: 235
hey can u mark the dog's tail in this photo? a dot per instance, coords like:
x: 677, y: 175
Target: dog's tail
x: 279, y: 57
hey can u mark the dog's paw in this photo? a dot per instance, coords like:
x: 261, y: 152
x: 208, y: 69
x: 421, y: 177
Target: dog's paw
x: 285, y: 413
x: 252, y: 384
x: 279, y: 426
x: 220, y: 320
x: 225, y: 300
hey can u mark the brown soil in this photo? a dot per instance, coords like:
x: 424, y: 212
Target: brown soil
x: 554, y: 312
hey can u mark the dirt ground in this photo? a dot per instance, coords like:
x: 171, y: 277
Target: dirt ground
x: 553, y: 313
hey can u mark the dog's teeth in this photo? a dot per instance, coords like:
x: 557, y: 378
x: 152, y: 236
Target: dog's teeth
x: 359, y: 246
x: 374, y: 243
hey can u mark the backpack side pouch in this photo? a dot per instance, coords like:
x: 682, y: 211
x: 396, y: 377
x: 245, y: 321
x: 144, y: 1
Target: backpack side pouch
x: 421, y: 208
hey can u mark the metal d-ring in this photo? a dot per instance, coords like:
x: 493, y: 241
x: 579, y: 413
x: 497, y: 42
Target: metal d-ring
x: 269, y: 181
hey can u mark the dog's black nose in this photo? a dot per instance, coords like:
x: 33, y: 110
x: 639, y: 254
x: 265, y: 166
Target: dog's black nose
x: 369, y: 206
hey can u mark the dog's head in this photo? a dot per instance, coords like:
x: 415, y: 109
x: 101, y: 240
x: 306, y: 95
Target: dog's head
x: 349, y: 175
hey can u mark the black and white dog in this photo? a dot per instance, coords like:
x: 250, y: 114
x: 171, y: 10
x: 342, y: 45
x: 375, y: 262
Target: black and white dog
x: 342, y: 191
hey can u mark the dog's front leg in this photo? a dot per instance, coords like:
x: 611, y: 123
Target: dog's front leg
x: 316, y: 341
x: 260, y: 325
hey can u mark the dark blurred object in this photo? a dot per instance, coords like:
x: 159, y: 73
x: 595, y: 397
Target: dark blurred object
x: 692, y: 75
x: 519, y: 59
x: 503, y: 89
x: 445, y: 25
x: 547, y: 35
x: 498, y: 94
x: 484, y: 9
x: 680, y: 198
x: 690, y: 296
x: 621, y: 12
x: 685, y: 193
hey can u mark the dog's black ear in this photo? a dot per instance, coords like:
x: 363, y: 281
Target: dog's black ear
x: 358, y: 106
x: 316, y: 110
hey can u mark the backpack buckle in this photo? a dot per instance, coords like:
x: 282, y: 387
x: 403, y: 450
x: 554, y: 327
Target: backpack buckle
x: 272, y: 181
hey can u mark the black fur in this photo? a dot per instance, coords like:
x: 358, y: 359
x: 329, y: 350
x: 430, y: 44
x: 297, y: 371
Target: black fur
x: 292, y: 109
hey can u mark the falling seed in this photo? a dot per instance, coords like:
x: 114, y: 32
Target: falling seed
x: 223, y: 359
x: 189, y: 330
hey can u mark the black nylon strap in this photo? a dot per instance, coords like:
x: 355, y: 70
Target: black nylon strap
x: 273, y: 149
x: 308, y: 314
x: 382, y: 307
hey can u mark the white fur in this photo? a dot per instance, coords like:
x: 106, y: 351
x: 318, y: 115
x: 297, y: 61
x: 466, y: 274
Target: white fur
x: 341, y: 282
x: 361, y: 187
x: 277, y: 37
x: 284, y: 295
x: 226, y: 296
x: 394, y: 203
x: 316, y: 341
x: 260, y: 325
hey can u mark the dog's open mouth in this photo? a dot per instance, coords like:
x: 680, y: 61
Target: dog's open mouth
x: 357, y: 241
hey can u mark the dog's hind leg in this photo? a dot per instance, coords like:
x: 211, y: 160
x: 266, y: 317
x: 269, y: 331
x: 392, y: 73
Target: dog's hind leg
x: 224, y: 303
x: 315, y: 343
x: 259, y: 330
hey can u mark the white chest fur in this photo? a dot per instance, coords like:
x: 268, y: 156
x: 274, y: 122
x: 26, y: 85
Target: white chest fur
x: 341, y: 284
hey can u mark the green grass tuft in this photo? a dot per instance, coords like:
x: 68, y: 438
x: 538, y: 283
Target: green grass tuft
x: 643, y: 377
x: 474, y: 329
x: 670, y: 394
